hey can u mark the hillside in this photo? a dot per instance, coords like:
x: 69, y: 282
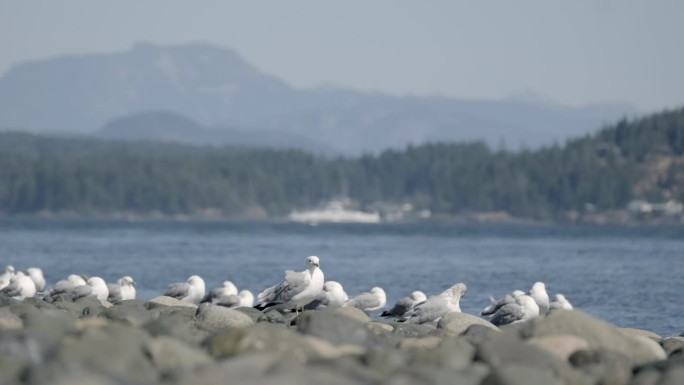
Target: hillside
x: 590, y: 178
x: 216, y: 88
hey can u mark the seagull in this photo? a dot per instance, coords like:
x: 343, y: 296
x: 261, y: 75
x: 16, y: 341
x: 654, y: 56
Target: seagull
x: 560, y: 302
x: 296, y: 290
x: 228, y: 288
x: 21, y: 286
x: 538, y: 293
x: 94, y: 286
x: 436, y: 306
x: 369, y: 301
x: 6, y: 277
x: 36, y: 274
x: 332, y: 296
x: 498, y: 304
x: 123, y: 289
x: 405, y: 305
x: 66, y: 285
x: 524, y: 308
x: 191, y: 290
x: 244, y: 298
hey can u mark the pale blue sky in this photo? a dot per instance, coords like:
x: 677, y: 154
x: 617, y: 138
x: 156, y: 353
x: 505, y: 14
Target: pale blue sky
x: 575, y: 52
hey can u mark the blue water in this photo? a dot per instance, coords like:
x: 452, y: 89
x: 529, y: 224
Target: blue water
x: 630, y: 276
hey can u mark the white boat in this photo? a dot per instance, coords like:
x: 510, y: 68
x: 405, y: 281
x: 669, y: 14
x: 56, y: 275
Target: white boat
x: 334, y: 212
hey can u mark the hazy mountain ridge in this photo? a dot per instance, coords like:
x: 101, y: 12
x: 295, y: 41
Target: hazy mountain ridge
x: 217, y: 88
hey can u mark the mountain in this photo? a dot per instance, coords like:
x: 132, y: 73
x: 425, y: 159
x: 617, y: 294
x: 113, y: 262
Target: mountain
x: 166, y: 126
x: 217, y: 88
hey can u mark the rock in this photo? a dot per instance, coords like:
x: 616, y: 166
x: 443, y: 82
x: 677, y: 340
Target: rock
x: 449, y: 353
x: 114, y: 349
x: 7, y: 301
x: 11, y: 368
x: 407, y: 330
x: 477, y: 334
x: 254, y: 314
x: 604, y: 366
x: 49, y: 326
x: 673, y: 345
x: 459, y: 322
x: 244, y: 369
x: 420, y: 343
x: 353, y: 313
x: 213, y: 318
x: 673, y: 376
x: 380, y: 327
x: 514, y: 374
x: 273, y: 317
x: 169, y: 354
x: 168, y: 301
x: 383, y: 362
x: 647, y: 344
x: 599, y: 334
x: 271, y: 338
x: 84, y: 307
x: 340, y: 330
x: 471, y: 375
x: 130, y: 313
x: 646, y: 377
x: 177, y: 328
x: 561, y: 345
x: 9, y: 320
x: 630, y: 332
x: 68, y: 373
x: 20, y: 348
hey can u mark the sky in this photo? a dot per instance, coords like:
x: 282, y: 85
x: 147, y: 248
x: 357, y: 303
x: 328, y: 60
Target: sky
x: 572, y: 52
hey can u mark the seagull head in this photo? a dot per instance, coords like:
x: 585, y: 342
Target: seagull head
x: 195, y: 280
x: 418, y: 296
x: 313, y: 261
x: 538, y: 287
x: 127, y: 280
x: 457, y: 291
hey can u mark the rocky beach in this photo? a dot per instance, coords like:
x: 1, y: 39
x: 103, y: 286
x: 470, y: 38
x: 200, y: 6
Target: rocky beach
x: 163, y: 340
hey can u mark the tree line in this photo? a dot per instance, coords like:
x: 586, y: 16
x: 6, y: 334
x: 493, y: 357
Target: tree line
x: 81, y: 175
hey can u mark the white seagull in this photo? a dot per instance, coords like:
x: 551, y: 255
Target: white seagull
x: 123, y: 289
x: 228, y: 288
x: 369, y: 301
x: 21, y: 286
x: 296, y: 290
x: 94, y: 286
x: 332, y: 296
x: 524, y: 308
x: 405, y: 305
x: 36, y: 274
x: 191, y: 290
x: 244, y: 298
x: 560, y: 302
x: 436, y: 306
x: 538, y: 293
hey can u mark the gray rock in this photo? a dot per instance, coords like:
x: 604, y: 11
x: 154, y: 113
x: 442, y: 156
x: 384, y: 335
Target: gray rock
x: 407, y: 330
x: 471, y: 375
x: 11, y: 368
x: 604, y: 366
x: 561, y: 346
x: 514, y: 374
x: 113, y: 349
x: 69, y: 373
x: 9, y: 320
x: 353, y: 313
x: 673, y: 376
x: 263, y: 337
x: 477, y: 334
x: 646, y: 377
x: 450, y: 353
x: 213, y: 318
x: 19, y: 348
x: 599, y: 334
x: 254, y: 314
x: 49, y: 326
x: 7, y: 301
x: 168, y: 301
x: 458, y: 323
x: 673, y: 345
x: 384, y: 362
x: 171, y: 355
x: 244, y: 369
x: 339, y: 330
x: 177, y: 328
x: 84, y: 307
x: 130, y: 313
x: 631, y: 332
x: 273, y: 317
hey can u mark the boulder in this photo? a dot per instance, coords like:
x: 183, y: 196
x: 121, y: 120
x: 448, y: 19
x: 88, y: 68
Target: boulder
x: 130, y: 313
x: 245, y: 369
x: 407, y: 330
x: 214, y: 318
x: 599, y: 334
x: 458, y: 323
x: 177, y: 328
x: 673, y: 345
x: 353, y: 313
x: 340, y: 330
x: 562, y: 346
x: 515, y: 374
x: 448, y: 353
x: 602, y: 365
x: 169, y: 355
x: 168, y: 301
x: 273, y: 317
x: 9, y: 320
x: 254, y: 314
x: 631, y: 332
x: 83, y: 307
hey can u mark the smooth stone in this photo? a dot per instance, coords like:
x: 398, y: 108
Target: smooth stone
x: 673, y: 345
x: 383, y: 362
x: 514, y: 374
x: 380, y: 327
x: 604, y: 366
x: 7, y: 301
x: 49, y: 326
x: 460, y: 322
x: 273, y: 317
x: 169, y: 354
x: 631, y: 332
x: 646, y: 377
x: 83, y: 307
x: 11, y: 368
x: 38, y: 303
x: 339, y: 330
x: 298, y: 373
x: 353, y: 313
x: 674, y: 375
x: 407, y: 330
x: 563, y: 346
x: 472, y: 375
x: 214, y: 318
x: 134, y: 314
x: 648, y: 344
x: 21, y: 348
x: 420, y: 343
x: 599, y: 334
x: 114, y: 349
x: 243, y: 369
x: 168, y: 301
x: 70, y: 373
x: 254, y: 314
x: 450, y: 353
x: 9, y: 320
x: 177, y: 328
x: 264, y: 337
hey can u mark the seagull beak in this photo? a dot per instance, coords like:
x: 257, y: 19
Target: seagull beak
x: 133, y: 283
x: 316, y: 264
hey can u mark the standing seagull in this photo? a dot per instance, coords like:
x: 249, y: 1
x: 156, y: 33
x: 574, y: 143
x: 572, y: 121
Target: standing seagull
x: 123, y: 289
x: 436, y: 306
x: 369, y: 301
x: 36, y: 274
x: 296, y: 290
x: 538, y: 293
x: 405, y: 305
x: 191, y: 290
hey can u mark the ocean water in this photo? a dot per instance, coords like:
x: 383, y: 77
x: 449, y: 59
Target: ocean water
x: 630, y: 276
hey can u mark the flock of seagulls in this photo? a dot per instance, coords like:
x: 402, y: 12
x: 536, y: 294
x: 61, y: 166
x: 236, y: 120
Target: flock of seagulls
x: 299, y: 290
